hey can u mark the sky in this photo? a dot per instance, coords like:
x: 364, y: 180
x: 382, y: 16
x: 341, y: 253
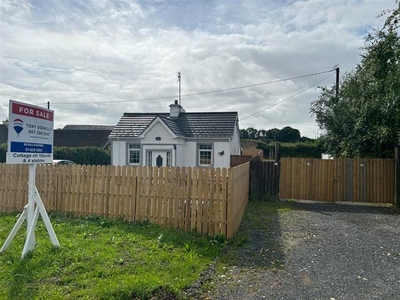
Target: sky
x: 94, y: 60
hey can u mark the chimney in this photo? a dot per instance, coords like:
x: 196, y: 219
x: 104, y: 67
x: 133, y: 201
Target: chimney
x: 175, y: 110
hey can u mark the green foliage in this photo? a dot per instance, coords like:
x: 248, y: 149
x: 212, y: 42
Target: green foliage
x: 80, y: 155
x: 312, y: 149
x: 3, y: 151
x: 84, y: 155
x: 306, y: 150
x: 363, y: 120
x: 102, y: 259
x: 289, y: 135
x: 285, y: 135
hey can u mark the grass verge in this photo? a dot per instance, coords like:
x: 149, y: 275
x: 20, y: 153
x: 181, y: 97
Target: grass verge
x: 258, y: 242
x: 102, y: 259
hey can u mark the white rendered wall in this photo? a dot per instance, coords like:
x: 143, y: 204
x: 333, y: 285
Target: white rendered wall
x: 235, y: 142
x: 118, y: 153
x: 189, y: 154
x: 222, y: 160
x: 158, y: 130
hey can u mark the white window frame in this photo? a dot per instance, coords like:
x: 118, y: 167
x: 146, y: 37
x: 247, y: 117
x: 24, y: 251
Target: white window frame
x: 207, y: 150
x: 169, y: 159
x: 134, y: 148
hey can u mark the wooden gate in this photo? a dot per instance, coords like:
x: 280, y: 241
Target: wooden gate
x: 264, y: 177
x: 344, y: 179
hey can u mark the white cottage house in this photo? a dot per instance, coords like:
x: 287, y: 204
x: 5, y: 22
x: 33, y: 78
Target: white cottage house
x: 177, y: 138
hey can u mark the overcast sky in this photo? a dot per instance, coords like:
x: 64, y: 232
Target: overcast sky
x: 96, y: 59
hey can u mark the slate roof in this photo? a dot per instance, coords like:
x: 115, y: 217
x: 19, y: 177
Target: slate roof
x: 81, y: 138
x: 88, y: 127
x: 189, y: 125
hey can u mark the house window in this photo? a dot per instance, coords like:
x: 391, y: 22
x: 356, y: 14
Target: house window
x: 150, y: 158
x: 205, y: 154
x: 168, y: 158
x: 134, y: 154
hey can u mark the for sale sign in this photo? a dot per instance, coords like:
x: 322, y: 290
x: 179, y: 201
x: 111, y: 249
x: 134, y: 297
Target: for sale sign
x: 30, y: 134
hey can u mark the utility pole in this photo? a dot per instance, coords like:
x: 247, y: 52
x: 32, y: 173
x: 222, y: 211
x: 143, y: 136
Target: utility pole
x: 179, y: 80
x: 397, y: 176
x: 337, y: 84
x: 48, y: 104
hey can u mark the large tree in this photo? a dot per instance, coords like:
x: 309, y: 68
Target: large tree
x: 363, y: 119
x: 289, y: 135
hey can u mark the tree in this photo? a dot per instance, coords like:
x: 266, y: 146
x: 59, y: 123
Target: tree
x: 363, y: 120
x: 273, y: 134
x: 261, y: 134
x: 289, y: 135
x: 244, y: 135
x: 249, y: 133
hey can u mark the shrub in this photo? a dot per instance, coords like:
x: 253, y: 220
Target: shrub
x: 3, y: 151
x: 305, y: 150
x: 84, y: 155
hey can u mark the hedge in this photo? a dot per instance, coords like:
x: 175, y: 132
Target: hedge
x: 80, y: 155
x: 305, y: 150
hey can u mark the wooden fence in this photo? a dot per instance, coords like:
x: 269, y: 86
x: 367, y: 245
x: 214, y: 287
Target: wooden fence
x: 210, y: 201
x: 239, y: 159
x: 264, y: 177
x: 355, y: 180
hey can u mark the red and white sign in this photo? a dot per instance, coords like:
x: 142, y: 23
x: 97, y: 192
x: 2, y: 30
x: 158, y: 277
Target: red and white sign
x: 31, y: 111
x: 30, y: 134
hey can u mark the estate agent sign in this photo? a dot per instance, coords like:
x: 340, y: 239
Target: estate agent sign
x: 30, y: 141
x: 30, y: 134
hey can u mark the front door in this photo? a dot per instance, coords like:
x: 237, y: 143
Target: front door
x: 159, y: 158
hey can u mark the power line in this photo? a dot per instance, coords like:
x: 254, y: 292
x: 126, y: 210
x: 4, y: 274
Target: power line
x: 279, y: 102
x: 199, y: 93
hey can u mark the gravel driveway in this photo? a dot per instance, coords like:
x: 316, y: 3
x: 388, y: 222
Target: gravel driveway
x: 315, y: 251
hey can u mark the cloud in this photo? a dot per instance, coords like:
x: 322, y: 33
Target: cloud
x: 95, y: 60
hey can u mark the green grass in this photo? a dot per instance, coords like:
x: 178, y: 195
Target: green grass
x: 102, y: 259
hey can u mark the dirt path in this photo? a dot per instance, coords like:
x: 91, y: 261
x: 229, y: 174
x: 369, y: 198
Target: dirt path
x: 312, y: 251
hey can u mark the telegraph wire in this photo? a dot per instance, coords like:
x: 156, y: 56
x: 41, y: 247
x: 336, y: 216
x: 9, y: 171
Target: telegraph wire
x: 195, y: 94
x: 199, y: 93
x: 279, y: 102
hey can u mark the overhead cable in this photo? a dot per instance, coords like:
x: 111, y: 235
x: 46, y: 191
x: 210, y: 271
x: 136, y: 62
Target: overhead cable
x: 279, y: 102
x: 199, y: 93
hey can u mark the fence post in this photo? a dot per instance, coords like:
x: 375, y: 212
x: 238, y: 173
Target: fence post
x: 397, y: 176
x: 277, y: 152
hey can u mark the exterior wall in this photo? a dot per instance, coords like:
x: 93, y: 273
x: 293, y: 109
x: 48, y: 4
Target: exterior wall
x: 167, y: 142
x: 183, y: 152
x: 235, y: 142
x: 118, y: 153
x: 146, y: 148
x: 190, y: 154
x: 222, y: 160
x: 158, y: 130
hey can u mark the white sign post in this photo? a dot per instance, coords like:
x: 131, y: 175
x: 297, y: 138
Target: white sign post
x: 30, y: 141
